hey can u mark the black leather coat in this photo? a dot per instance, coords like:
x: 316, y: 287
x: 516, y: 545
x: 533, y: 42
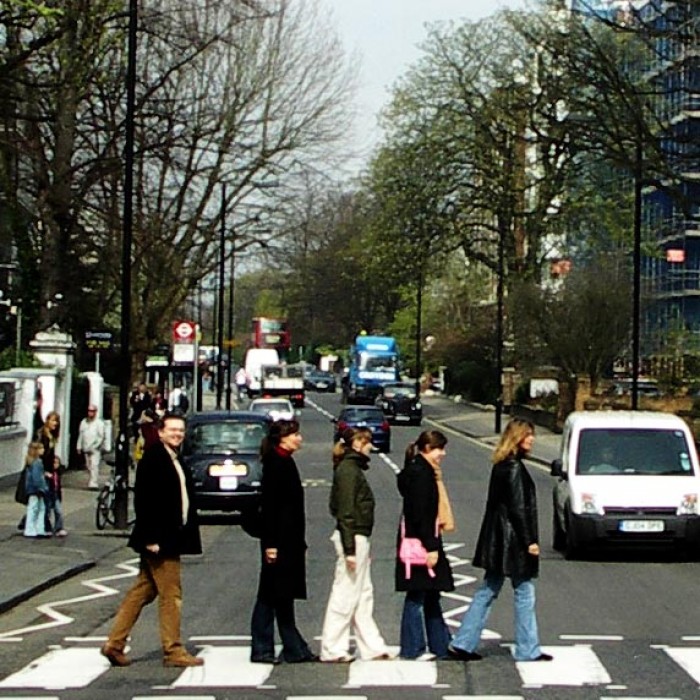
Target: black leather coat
x: 283, y: 528
x: 418, y: 487
x: 510, y: 523
x: 158, y: 505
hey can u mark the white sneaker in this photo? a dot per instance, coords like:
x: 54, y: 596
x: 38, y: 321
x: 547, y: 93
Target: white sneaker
x: 425, y: 656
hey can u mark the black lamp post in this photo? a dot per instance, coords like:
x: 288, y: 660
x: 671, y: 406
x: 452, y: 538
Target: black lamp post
x: 637, y: 271
x: 122, y: 446
x: 499, y: 329
x: 230, y: 327
x: 220, y: 374
x: 419, y: 325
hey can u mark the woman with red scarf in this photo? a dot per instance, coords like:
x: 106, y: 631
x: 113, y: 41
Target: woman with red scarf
x: 282, y: 548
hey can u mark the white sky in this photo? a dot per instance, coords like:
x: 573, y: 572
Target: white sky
x: 385, y: 34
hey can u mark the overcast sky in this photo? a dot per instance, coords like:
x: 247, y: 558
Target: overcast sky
x: 384, y: 34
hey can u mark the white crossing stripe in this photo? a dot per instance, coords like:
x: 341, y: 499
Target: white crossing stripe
x: 224, y: 666
x: 60, y: 669
x: 486, y: 697
x: 320, y: 697
x: 176, y: 697
x: 572, y: 666
x: 395, y: 672
x: 687, y: 659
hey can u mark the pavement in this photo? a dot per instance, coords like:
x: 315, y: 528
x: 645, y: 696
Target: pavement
x: 30, y: 566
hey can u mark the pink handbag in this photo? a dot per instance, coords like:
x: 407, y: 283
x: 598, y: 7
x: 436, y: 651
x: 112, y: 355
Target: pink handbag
x: 412, y: 552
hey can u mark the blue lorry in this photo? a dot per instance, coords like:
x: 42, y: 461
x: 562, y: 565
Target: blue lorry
x: 374, y: 361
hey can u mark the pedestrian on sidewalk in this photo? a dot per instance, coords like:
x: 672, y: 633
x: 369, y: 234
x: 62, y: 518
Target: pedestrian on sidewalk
x: 36, y: 489
x: 166, y: 527
x: 426, y: 515
x: 91, y: 438
x: 351, y: 601
x: 508, y: 547
x: 54, y: 500
x: 282, y: 549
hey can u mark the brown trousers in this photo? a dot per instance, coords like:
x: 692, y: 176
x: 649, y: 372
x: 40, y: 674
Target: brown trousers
x: 158, y: 577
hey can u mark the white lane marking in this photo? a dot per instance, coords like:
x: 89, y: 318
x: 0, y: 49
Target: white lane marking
x: 56, y: 619
x: 392, y: 465
x: 177, y: 697
x: 591, y: 637
x: 60, y: 669
x: 397, y: 672
x: 572, y: 666
x: 222, y: 638
x: 33, y: 697
x: 227, y: 667
x: 687, y: 659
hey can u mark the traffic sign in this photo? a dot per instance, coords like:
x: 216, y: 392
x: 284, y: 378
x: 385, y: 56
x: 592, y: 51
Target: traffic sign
x: 184, y: 331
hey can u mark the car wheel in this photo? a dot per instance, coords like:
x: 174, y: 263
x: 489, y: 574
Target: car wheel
x: 572, y: 549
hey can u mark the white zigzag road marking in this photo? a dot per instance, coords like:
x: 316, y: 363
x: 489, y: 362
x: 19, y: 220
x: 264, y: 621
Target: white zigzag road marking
x: 57, y: 619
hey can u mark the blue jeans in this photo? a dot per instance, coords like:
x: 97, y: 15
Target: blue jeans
x: 34, y: 521
x: 55, y: 507
x: 422, y: 614
x: 527, y: 644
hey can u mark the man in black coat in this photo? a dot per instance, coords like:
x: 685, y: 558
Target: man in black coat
x: 166, y: 527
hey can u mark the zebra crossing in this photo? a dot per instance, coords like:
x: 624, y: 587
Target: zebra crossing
x: 75, y: 665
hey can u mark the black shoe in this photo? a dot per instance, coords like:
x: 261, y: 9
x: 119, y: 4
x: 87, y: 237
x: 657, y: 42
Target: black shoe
x: 264, y: 660
x: 308, y: 659
x: 543, y: 657
x: 462, y: 655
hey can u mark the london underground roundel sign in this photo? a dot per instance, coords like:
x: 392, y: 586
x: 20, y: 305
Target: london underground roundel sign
x: 184, y: 331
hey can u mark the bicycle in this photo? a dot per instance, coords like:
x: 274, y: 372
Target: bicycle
x: 105, y: 513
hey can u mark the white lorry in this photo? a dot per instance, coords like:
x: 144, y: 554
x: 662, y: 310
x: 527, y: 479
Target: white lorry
x: 284, y: 380
x: 255, y: 360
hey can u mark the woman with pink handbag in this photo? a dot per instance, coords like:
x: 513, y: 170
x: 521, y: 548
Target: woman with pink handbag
x: 422, y: 569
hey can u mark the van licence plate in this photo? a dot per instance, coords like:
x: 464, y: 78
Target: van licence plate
x: 641, y: 526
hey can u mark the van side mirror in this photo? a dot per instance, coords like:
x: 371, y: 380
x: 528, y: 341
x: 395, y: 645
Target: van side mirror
x: 557, y: 469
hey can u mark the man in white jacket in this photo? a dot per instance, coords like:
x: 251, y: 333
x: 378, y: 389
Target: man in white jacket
x: 91, y: 438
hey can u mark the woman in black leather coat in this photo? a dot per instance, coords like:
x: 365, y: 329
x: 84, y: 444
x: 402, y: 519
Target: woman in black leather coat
x: 508, y: 546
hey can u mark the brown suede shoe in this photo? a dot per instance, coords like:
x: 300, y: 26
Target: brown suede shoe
x: 116, y: 657
x: 183, y: 661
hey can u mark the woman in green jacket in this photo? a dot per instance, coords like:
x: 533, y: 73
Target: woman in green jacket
x: 352, y: 599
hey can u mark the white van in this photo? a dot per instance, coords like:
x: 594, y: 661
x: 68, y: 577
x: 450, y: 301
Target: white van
x: 625, y: 477
x: 255, y: 360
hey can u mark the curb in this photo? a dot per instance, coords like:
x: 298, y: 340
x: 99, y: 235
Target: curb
x: 11, y: 602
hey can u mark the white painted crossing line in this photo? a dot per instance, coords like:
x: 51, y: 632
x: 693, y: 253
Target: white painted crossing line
x: 173, y: 697
x: 60, y: 669
x: 225, y: 666
x: 398, y: 672
x: 486, y: 697
x: 572, y: 666
x: 325, y: 697
x: 687, y: 659
x: 33, y: 697
x: 591, y: 637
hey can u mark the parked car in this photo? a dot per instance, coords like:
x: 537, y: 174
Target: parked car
x: 365, y: 417
x: 223, y: 451
x: 625, y: 477
x: 318, y: 380
x: 276, y: 409
x: 399, y: 402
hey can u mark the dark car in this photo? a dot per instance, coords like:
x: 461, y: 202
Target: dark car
x: 365, y: 417
x: 223, y: 451
x: 400, y: 403
x: 318, y: 380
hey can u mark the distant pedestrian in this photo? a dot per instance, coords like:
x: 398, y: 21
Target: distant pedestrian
x: 241, y: 380
x: 91, y: 441
x: 282, y: 549
x: 166, y: 527
x: 139, y: 401
x: 351, y: 601
x: 54, y: 500
x: 508, y: 546
x: 426, y: 514
x: 36, y: 489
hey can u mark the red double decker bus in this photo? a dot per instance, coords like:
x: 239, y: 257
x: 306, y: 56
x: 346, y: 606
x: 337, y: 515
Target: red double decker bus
x: 271, y: 333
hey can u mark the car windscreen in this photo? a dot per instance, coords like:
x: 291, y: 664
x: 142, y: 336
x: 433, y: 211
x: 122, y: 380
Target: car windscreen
x: 406, y: 390
x: 224, y: 437
x: 271, y: 406
x: 357, y: 414
x: 650, y: 452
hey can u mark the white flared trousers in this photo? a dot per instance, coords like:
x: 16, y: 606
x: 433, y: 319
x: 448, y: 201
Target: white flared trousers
x: 351, y: 603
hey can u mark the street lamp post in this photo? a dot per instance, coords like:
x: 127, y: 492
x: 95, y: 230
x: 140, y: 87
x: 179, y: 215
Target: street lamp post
x: 419, y: 325
x: 230, y: 326
x: 220, y: 322
x: 122, y: 446
x: 637, y: 271
x: 500, y: 270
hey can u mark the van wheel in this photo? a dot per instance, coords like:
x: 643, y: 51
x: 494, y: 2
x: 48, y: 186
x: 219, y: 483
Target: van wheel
x: 571, y: 547
x: 558, y: 534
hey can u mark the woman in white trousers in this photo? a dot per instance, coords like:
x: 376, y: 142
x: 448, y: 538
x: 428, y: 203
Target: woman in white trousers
x: 351, y: 602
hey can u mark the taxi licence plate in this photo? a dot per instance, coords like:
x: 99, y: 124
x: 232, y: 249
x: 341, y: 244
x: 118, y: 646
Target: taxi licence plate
x: 641, y: 526
x: 228, y: 483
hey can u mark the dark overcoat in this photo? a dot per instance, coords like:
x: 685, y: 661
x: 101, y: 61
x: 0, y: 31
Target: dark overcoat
x: 283, y: 528
x: 158, y: 505
x: 509, y: 526
x: 419, y: 489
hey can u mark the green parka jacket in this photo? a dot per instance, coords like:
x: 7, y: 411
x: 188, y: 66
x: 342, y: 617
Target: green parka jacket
x: 351, y: 501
